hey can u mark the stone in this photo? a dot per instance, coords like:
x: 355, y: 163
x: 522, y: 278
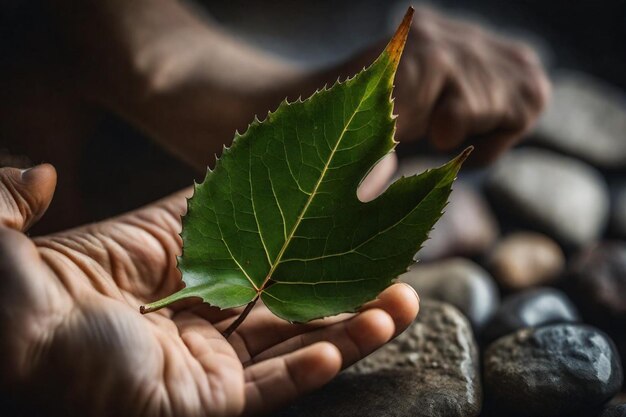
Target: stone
x: 526, y: 259
x: 618, y: 217
x: 586, y: 118
x: 430, y: 370
x: 563, y: 197
x: 558, y: 370
x: 457, y: 281
x: 531, y: 308
x: 468, y: 226
x: 597, y: 278
x: 614, y: 411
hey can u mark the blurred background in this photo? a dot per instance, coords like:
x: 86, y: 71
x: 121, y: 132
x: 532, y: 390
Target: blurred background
x: 581, y: 43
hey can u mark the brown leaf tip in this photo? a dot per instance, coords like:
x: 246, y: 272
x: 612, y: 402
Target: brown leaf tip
x: 396, y: 45
x: 463, y: 156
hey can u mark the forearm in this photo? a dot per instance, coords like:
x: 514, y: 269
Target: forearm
x: 185, y: 82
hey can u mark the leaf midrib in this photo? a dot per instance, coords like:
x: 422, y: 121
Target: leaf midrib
x: 313, y: 194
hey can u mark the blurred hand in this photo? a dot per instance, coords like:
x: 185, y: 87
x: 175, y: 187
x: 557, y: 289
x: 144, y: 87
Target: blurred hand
x: 459, y: 82
x: 72, y: 341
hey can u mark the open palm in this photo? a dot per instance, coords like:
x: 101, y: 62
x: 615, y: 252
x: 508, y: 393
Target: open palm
x: 73, y: 342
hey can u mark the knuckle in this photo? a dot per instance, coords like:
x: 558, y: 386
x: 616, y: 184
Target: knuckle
x: 472, y: 31
x: 536, y: 90
x: 525, y: 54
x: 437, y: 57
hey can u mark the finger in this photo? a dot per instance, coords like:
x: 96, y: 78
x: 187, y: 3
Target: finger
x: 276, y: 382
x: 25, y: 195
x: 516, y: 121
x: 402, y: 304
x: 355, y: 337
x: 488, y: 148
x: 448, y: 124
x: 420, y: 81
x: 262, y: 330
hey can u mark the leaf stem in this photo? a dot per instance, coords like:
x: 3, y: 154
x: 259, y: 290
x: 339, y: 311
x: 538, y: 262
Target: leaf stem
x: 164, y: 302
x: 241, y: 318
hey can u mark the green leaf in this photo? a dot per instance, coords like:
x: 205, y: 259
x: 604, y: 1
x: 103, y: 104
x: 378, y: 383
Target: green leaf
x: 279, y: 218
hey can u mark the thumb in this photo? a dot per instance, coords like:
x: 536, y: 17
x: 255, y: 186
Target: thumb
x: 25, y: 195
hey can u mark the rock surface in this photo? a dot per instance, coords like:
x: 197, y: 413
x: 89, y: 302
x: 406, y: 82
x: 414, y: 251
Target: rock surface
x: 525, y: 259
x: 598, y: 278
x: 532, y: 308
x: 429, y: 370
x: 561, y: 196
x: 459, y: 282
x: 559, y: 370
x: 585, y: 118
x: 614, y: 411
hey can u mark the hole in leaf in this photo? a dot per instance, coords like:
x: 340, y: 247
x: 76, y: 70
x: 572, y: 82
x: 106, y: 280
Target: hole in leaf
x: 377, y: 180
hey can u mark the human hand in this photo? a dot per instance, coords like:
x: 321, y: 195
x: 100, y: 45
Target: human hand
x: 458, y: 82
x: 72, y: 341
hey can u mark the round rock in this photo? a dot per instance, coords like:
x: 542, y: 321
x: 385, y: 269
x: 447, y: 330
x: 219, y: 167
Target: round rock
x: 561, y: 196
x: 598, y: 277
x: 614, y: 411
x: 430, y: 370
x: 531, y: 308
x: 585, y: 118
x: 459, y: 282
x: 526, y: 259
x: 556, y: 370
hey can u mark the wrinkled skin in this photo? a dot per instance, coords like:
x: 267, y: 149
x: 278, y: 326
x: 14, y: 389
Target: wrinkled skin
x: 74, y: 344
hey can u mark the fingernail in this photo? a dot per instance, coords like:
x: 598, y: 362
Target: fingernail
x: 32, y: 174
x: 413, y: 289
x: 27, y: 174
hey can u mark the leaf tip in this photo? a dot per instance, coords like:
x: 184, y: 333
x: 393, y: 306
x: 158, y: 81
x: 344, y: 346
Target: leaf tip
x: 463, y: 155
x: 396, y: 45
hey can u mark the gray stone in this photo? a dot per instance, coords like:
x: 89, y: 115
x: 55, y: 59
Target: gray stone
x: 585, y: 118
x: 531, y: 308
x: 522, y: 260
x: 564, y: 197
x: 457, y: 281
x: 558, y: 370
x: 614, y: 411
x: 429, y: 370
